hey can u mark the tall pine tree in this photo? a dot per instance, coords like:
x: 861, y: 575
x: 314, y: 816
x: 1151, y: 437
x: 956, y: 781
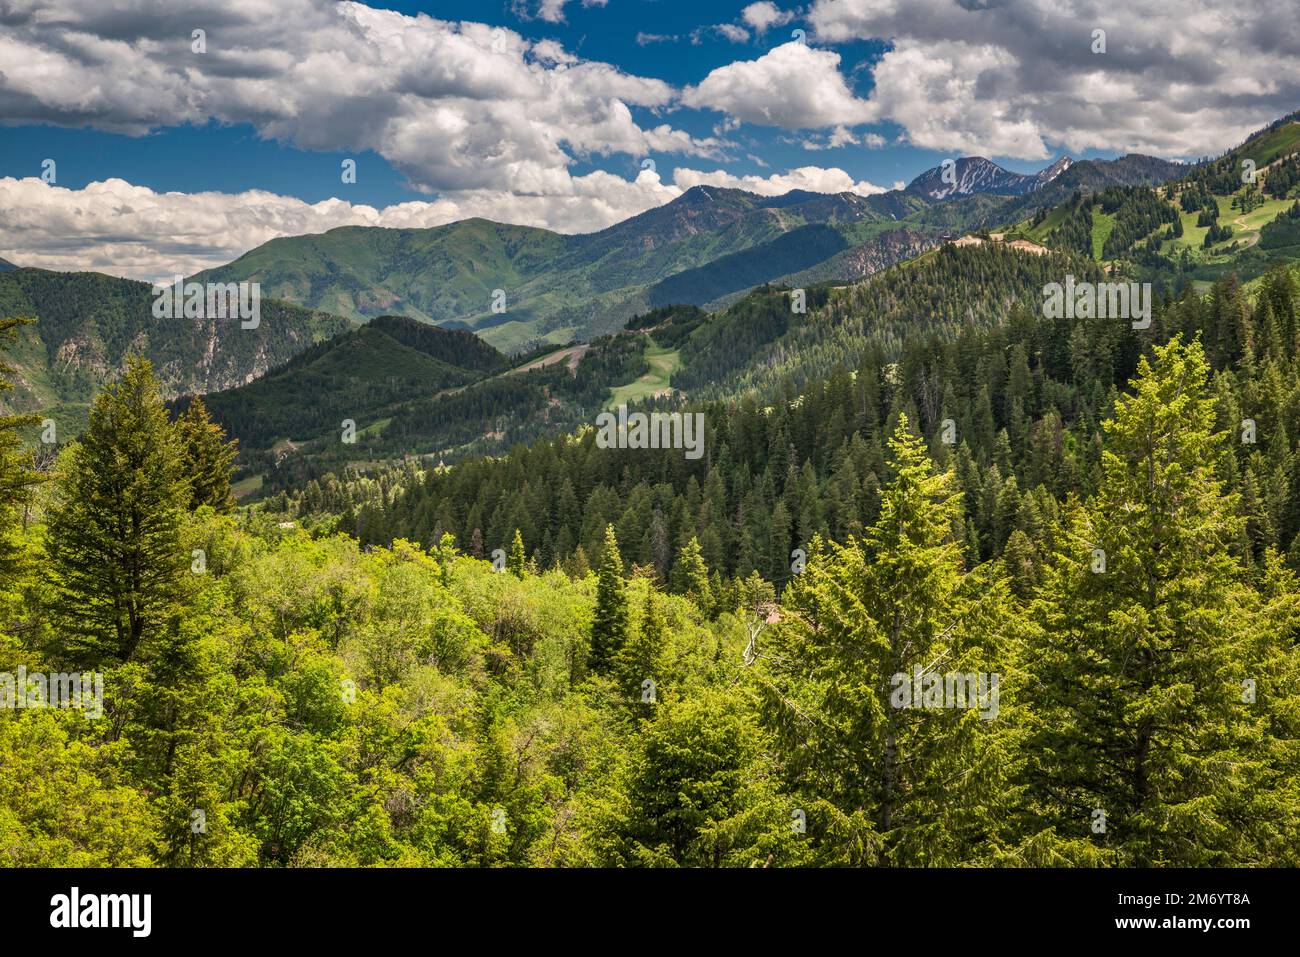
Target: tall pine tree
x: 1163, y: 699
x: 114, y: 531
x: 895, y: 770
x: 208, y: 458
x: 609, y: 627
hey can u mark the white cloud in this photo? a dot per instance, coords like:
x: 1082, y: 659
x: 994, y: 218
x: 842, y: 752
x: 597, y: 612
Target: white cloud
x: 454, y: 106
x: 552, y: 11
x: 842, y: 136
x: 815, y: 179
x: 733, y: 33
x: 1020, y: 78
x: 122, y: 229
x: 793, y: 86
x: 126, y: 230
x: 935, y: 95
x: 764, y: 15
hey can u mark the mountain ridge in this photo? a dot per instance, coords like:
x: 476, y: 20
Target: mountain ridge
x: 969, y: 175
x: 518, y: 286
x: 87, y: 323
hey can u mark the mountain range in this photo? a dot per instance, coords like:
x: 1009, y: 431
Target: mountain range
x: 518, y: 286
x: 975, y: 174
x: 901, y: 276
x: 427, y: 375
x: 85, y: 324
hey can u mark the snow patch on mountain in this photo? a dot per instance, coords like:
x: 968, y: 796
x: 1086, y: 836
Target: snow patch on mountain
x: 976, y: 174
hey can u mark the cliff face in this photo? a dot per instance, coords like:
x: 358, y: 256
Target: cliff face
x: 83, y: 326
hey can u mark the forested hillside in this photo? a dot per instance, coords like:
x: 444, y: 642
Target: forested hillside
x: 1224, y: 216
x: 84, y: 325
x: 957, y: 580
x: 396, y: 389
x: 279, y: 696
x: 290, y: 420
x: 1025, y: 399
x: 518, y: 286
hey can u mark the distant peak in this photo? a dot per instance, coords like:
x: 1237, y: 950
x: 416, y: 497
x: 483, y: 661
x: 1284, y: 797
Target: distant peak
x: 1049, y: 173
x: 967, y: 176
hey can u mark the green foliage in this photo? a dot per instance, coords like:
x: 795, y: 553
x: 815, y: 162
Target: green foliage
x: 114, y: 539
x: 696, y: 796
x: 395, y: 379
x: 86, y: 325
x: 363, y: 688
x: 207, y: 457
x: 517, y: 561
x: 1151, y: 650
x: 1283, y: 230
x: 704, y: 244
x: 16, y: 474
x: 65, y: 802
x: 609, y: 627
x: 911, y: 782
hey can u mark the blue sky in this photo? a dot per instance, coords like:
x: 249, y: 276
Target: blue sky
x: 233, y: 157
x: 172, y: 158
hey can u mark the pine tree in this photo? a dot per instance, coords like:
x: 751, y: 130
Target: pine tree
x: 691, y: 575
x: 1144, y: 749
x: 640, y: 658
x: 207, y: 457
x: 892, y: 772
x: 517, y: 560
x: 696, y: 795
x: 577, y: 566
x: 16, y: 475
x: 114, y: 531
x: 609, y: 626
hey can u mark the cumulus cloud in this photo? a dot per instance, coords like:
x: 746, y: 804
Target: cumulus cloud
x: 1020, y: 78
x: 815, y: 179
x: 454, y: 106
x: 793, y: 86
x: 126, y: 230
x: 764, y: 15
x: 122, y: 229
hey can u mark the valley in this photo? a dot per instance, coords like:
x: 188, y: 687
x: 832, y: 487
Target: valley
x: 375, y: 581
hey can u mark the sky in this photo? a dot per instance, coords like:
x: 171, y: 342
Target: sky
x: 133, y: 145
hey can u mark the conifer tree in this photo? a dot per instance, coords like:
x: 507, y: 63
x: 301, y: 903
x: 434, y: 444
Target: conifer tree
x: 696, y: 795
x: 517, y: 560
x: 208, y: 458
x: 892, y: 766
x: 16, y: 475
x: 609, y: 626
x: 1150, y: 729
x: 640, y: 657
x: 114, y: 531
x: 691, y: 575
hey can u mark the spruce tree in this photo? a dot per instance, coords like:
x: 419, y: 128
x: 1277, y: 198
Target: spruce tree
x: 114, y: 530
x: 897, y: 776
x: 1161, y: 690
x: 517, y: 560
x: 691, y: 575
x: 208, y: 458
x: 609, y: 626
x: 16, y: 475
x: 640, y: 657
